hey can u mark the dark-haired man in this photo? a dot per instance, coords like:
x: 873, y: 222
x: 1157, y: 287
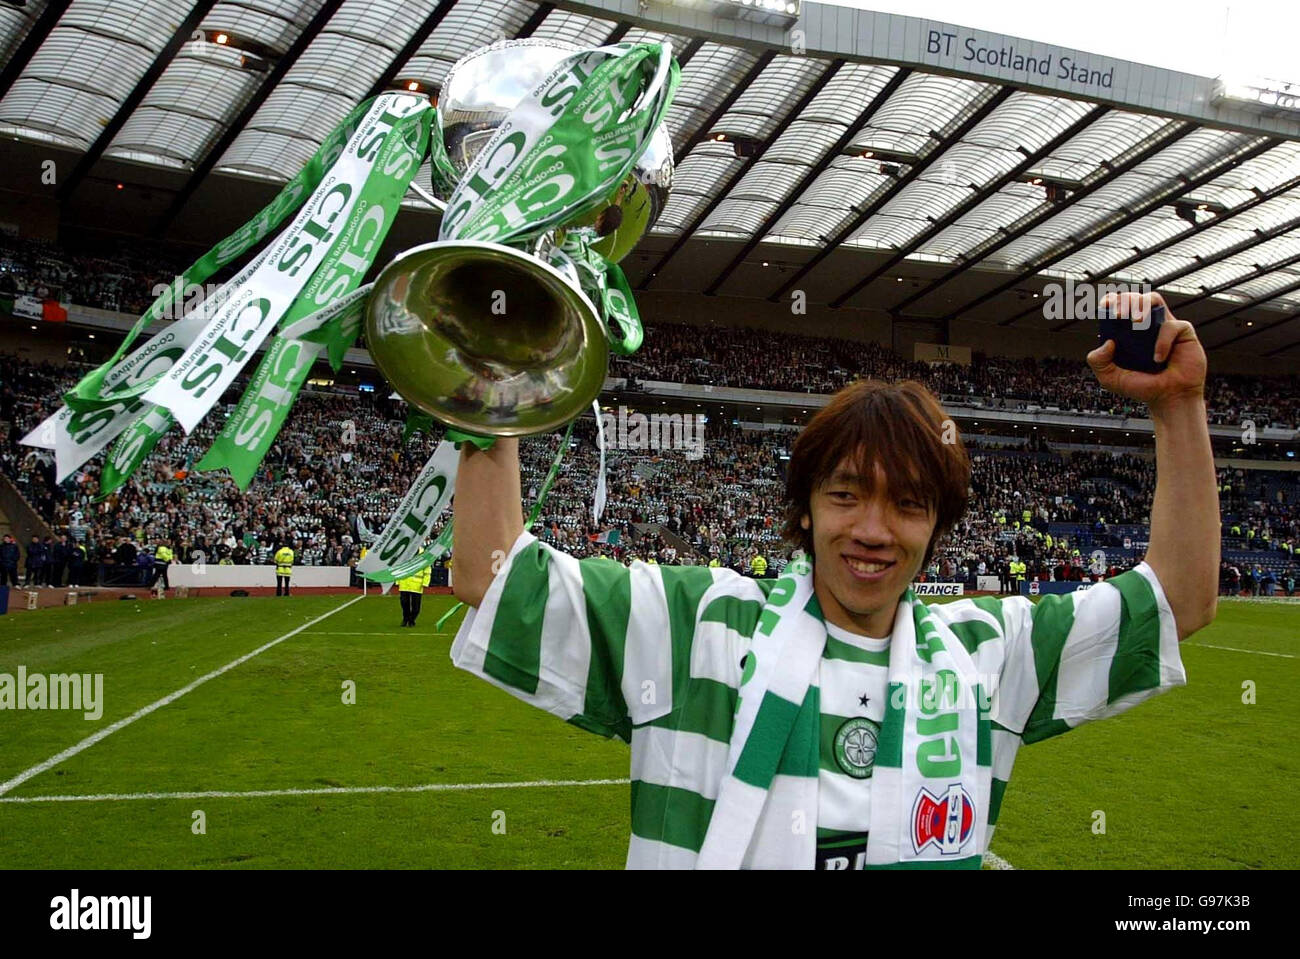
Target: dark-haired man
x: 35, y: 562
x: 59, y: 554
x: 9, y: 555
x: 828, y: 719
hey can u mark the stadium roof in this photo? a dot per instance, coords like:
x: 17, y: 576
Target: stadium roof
x: 848, y: 157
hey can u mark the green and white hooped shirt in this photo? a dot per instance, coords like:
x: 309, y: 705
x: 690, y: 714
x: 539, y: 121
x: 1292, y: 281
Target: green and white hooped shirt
x: 853, y: 680
x: 653, y: 655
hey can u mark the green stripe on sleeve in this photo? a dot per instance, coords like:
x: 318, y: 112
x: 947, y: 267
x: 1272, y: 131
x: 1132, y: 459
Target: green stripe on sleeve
x: 734, y: 613
x: 1136, y: 665
x: 1053, y: 618
x: 684, y: 587
x: 514, y: 651
x: 972, y: 632
x: 607, y: 587
x: 993, y: 607
x: 709, y: 710
x: 622, y: 729
x: 668, y: 814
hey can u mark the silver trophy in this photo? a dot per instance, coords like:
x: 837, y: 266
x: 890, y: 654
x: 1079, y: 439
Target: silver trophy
x: 493, y: 339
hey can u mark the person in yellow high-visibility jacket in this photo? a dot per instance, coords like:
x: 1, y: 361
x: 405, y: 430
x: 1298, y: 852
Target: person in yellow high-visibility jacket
x: 411, y: 593
x: 283, y: 569
x: 162, y: 558
x: 1018, y: 571
x: 758, y: 566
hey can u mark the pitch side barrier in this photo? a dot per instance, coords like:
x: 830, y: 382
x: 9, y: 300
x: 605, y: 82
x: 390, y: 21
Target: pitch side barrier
x: 1053, y: 589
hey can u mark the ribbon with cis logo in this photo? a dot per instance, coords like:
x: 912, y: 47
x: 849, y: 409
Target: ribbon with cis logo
x: 346, y: 198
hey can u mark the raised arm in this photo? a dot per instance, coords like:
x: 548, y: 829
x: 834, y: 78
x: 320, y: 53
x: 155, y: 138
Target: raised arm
x: 1184, y: 548
x: 488, y: 516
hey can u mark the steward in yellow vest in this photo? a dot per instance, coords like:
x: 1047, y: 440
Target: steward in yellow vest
x: 1018, y: 569
x: 283, y: 569
x: 758, y: 566
x: 411, y: 594
x: 162, y: 558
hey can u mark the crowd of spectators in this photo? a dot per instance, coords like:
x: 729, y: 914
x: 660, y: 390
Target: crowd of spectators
x: 339, y: 468
x: 716, y: 356
x: 111, y: 274
x: 123, y: 275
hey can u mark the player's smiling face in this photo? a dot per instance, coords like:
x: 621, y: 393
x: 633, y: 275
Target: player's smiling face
x: 868, y: 546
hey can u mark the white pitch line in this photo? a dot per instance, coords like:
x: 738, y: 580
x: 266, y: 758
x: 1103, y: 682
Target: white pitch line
x: 992, y: 858
x: 322, y: 791
x: 1234, y: 649
x: 107, y: 731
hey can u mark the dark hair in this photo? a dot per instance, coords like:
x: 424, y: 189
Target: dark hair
x: 899, y: 426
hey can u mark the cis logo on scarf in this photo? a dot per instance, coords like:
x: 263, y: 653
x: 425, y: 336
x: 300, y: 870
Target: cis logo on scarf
x: 948, y: 822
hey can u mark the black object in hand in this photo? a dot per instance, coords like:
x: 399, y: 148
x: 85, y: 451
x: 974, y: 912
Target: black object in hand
x: 1134, y: 346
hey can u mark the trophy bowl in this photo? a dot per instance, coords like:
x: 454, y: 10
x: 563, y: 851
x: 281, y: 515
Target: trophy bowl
x: 487, y: 338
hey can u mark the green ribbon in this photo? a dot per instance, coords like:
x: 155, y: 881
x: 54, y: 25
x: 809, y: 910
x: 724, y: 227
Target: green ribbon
x: 442, y: 173
x: 558, y: 171
x: 460, y: 436
x: 606, y: 286
x: 249, y: 433
x: 416, y: 422
x: 87, y: 395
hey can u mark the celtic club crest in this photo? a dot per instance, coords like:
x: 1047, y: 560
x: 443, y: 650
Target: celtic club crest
x: 855, y: 746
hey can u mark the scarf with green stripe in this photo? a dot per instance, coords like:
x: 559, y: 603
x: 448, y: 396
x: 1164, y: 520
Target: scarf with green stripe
x: 933, y: 769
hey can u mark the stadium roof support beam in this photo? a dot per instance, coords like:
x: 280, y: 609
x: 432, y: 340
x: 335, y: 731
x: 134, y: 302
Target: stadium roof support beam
x: 1207, y: 224
x: 1142, y: 209
x: 1228, y: 251
x: 135, y: 97
x: 809, y: 178
x: 1170, y: 133
x: 974, y: 200
x: 40, y: 30
x: 1260, y: 269
x: 1251, y: 304
x: 539, y: 16
x: 689, y: 51
x: 791, y: 115
x: 412, y: 46
x: 1201, y: 263
x: 740, y: 87
x: 972, y: 120
x: 246, y: 113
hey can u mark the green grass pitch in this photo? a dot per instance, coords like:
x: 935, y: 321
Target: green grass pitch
x: 1194, y: 778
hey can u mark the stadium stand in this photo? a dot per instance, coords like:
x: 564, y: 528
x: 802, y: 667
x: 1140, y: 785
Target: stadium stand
x: 327, y: 496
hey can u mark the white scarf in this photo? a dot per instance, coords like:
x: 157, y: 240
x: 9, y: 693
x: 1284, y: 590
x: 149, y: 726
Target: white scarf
x: 932, y: 778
